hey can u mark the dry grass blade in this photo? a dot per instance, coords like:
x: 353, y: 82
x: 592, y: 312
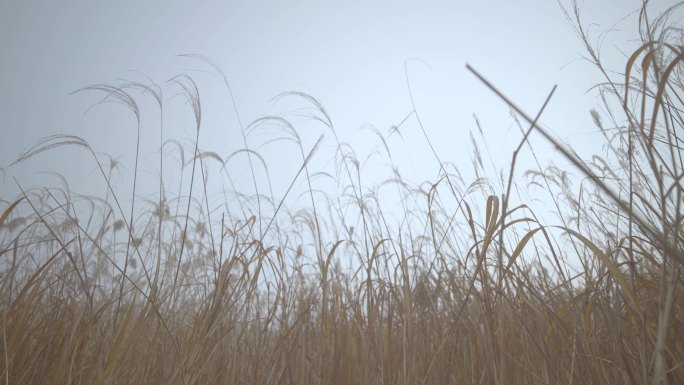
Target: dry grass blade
x: 670, y: 250
x: 9, y: 210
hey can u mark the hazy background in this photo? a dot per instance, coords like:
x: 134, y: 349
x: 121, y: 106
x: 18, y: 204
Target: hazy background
x: 350, y: 55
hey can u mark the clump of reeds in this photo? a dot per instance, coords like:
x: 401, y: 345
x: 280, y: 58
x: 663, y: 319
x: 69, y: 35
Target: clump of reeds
x: 463, y: 285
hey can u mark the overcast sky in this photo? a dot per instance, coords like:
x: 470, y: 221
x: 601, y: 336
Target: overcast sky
x: 351, y: 55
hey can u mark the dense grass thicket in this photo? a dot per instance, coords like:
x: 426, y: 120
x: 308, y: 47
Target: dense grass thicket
x: 460, y: 284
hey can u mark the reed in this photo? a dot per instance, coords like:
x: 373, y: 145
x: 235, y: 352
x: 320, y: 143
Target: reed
x: 460, y: 284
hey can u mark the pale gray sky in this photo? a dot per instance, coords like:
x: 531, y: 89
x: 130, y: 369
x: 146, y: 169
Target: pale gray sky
x: 349, y: 54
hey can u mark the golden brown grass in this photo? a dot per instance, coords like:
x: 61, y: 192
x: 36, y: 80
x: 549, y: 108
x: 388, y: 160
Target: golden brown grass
x: 461, y: 287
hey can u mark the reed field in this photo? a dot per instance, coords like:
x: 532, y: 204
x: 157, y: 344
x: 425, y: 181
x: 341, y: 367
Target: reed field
x: 461, y: 283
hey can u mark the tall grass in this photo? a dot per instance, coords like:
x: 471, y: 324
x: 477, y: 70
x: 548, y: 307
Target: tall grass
x: 461, y: 284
